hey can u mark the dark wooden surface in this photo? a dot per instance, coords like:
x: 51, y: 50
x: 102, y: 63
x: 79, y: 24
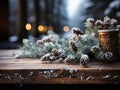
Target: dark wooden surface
x: 32, y: 71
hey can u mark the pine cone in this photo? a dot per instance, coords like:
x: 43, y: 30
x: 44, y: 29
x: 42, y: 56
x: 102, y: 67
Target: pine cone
x: 113, y: 21
x: 95, y: 49
x: 99, y: 24
x: 106, y: 25
x: 40, y: 42
x: 46, y: 39
x: 118, y: 27
x: 62, y: 55
x: 46, y: 57
x: 84, y: 60
x: 77, y: 31
x: 106, y: 22
x: 73, y: 47
x: 69, y: 59
x: 55, y: 52
x: 91, y: 21
x: 107, y: 56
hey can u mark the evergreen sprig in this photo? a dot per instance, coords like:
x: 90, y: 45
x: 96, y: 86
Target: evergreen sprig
x: 80, y: 48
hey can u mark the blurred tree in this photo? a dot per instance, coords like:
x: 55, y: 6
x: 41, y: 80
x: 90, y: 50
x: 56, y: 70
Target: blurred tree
x: 31, y: 19
x: 54, y: 13
x: 17, y: 20
x: 4, y: 24
x: 113, y: 10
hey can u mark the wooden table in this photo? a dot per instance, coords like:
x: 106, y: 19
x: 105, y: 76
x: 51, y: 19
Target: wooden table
x: 31, y: 71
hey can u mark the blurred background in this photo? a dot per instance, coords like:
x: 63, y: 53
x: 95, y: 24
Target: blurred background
x: 33, y: 18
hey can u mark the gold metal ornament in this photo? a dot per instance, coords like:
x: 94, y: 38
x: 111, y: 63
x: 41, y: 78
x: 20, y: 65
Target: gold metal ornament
x: 108, y: 40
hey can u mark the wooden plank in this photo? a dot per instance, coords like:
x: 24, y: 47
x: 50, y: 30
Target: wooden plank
x: 32, y: 71
x: 7, y: 61
x: 37, y: 65
x: 59, y: 76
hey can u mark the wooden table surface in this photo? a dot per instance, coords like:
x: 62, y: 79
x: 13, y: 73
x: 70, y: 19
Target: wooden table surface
x: 32, y: 71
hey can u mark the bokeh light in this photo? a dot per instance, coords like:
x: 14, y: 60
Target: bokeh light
x: 28, y: 26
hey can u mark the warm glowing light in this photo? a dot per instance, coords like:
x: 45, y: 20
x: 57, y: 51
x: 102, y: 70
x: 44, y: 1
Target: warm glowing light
x: 28, y: 26
x: 45, y: 28
x: 66, y: 28
x: 40, y: 28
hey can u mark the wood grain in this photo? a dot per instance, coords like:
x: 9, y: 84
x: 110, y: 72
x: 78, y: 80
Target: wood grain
x: 32, y: 71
